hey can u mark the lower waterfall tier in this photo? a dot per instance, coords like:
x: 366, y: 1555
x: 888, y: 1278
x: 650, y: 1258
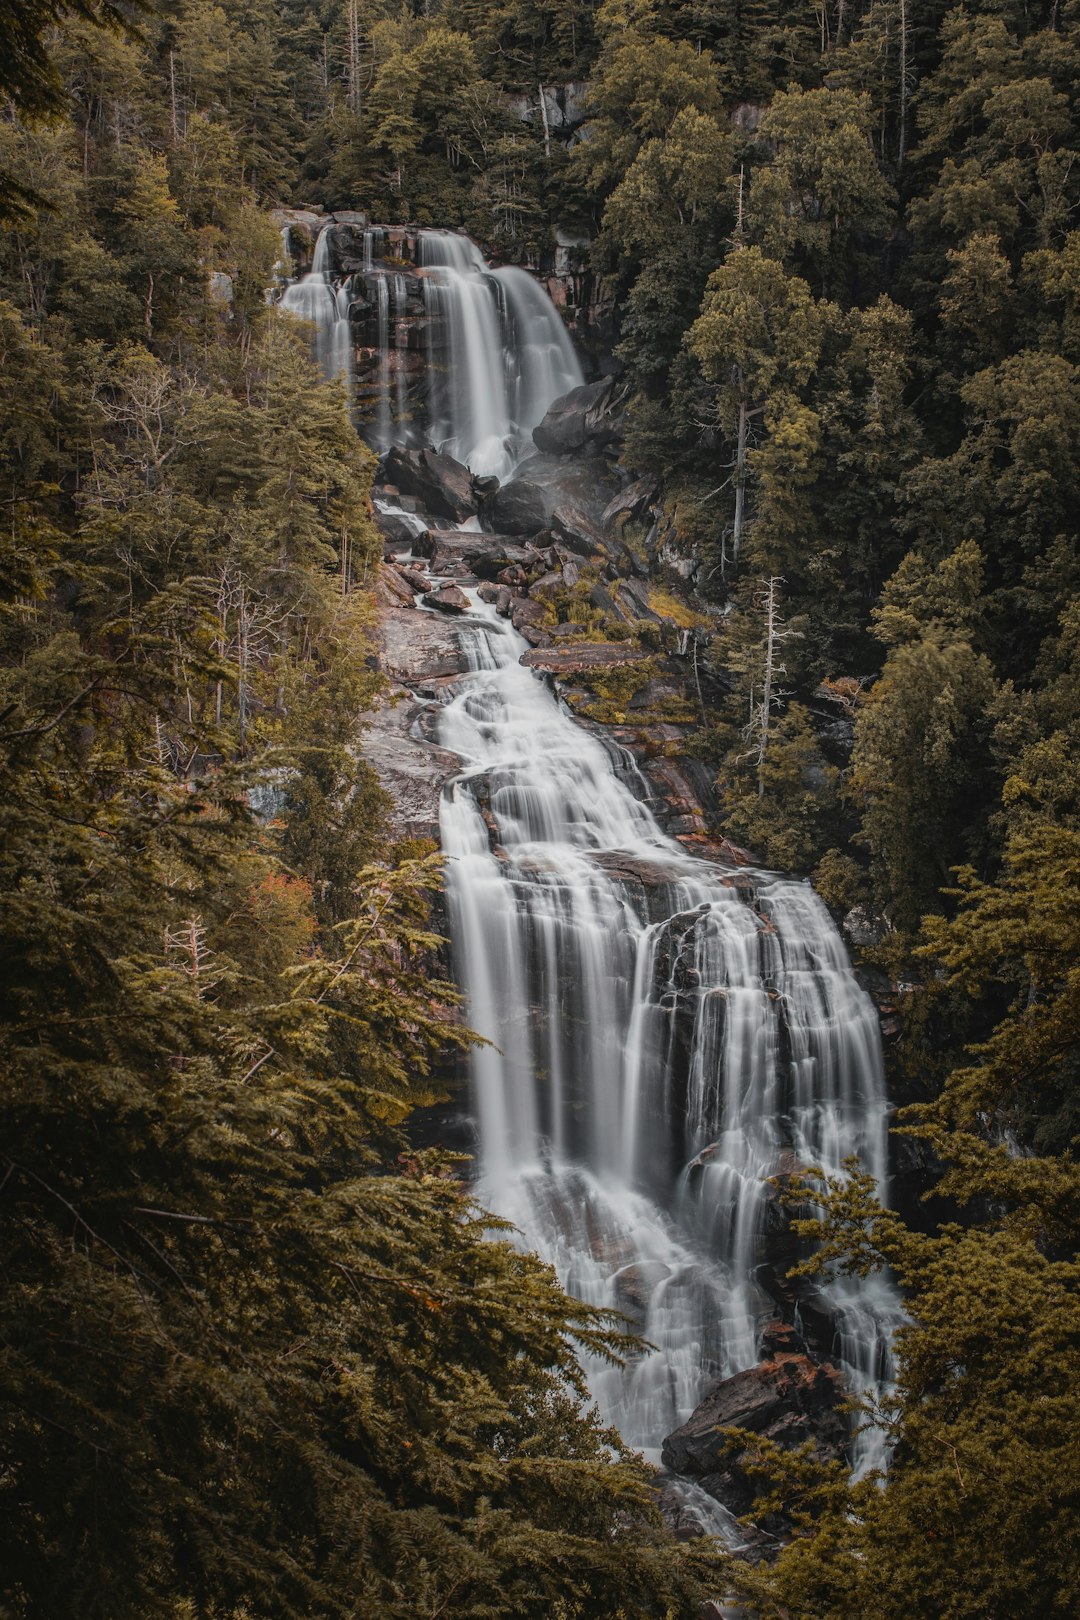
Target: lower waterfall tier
x: 667, y: 1036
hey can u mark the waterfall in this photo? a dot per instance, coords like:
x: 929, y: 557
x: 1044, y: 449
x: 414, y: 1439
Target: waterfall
x: 666, y: 1034
x: 401, y: 339
x: 382, y: 424
x: 313, y: 298
x: 498, y: 355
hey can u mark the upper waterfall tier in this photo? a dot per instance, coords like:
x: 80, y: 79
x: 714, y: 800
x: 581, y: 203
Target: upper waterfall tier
x: 314, y: 298
x: 443, y: 349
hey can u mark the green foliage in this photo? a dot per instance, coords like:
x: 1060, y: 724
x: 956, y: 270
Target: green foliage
x: 976, y: 1517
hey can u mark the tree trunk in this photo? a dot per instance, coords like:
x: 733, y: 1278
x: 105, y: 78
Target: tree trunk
x: 905, y: 88
x: 740, y: 480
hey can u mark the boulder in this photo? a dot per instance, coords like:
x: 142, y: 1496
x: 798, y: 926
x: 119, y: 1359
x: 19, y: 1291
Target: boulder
x: 604, y: 602
x: 417, y: 647
x: 397, y: 531
x: 547, y: 587
x: 576, y: 529
x: 633, y: 597
x: 525, y: 505
x: 787, y: 1398
x: 441, y: 485
x: 519, y: 507
x: 585, y: 655
x: 448, y: 599
x: 393, y: 588
x: 581, y: 417
x: 485, y: 555
x: 523, y: 612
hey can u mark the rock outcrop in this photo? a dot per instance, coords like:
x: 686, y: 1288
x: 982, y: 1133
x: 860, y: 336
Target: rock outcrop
x: 441, y: 485
x: 789, y: 1397
x: 583, y: 418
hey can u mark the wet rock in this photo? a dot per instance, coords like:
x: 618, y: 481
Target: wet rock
x: 448, y: 599
x: 413, y: 773
x: 414, y: 579
x: 583, y: 656
x: 788, y: 1398
x: 635, y: 868
x: 442, y: 486
x: 489, y: 592
x: 395, y: 529
x: 485, y: 485
x: 636, y: 1284
x: 579, y: 418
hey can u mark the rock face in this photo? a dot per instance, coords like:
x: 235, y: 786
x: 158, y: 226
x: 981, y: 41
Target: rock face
x: 788, y: 1398
x: 442, y: 485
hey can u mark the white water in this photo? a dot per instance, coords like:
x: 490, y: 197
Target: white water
x: 498, y: 355
x: 658, y: 1050
x: 313, y: 298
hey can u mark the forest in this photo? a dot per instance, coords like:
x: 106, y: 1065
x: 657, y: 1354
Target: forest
x: 263, y: 1357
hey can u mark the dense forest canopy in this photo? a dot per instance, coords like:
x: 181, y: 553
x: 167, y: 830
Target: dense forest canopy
x: 256, y: 1357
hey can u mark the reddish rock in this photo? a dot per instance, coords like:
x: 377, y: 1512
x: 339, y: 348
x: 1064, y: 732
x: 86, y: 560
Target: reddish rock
x: 788, y: 1398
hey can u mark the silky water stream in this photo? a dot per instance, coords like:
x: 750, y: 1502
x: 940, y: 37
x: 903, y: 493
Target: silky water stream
x: 666, y: 1034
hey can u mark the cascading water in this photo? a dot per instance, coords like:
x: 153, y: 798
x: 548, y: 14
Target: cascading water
x: 498, y: 355
x: 313, y: 298
x: 666, y: 1035
x: 382, y: 424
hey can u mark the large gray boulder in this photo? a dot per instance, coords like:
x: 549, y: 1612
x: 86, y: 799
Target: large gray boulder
x: 581, y: 418
x: 441, y: 486
x: 578, y: 488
